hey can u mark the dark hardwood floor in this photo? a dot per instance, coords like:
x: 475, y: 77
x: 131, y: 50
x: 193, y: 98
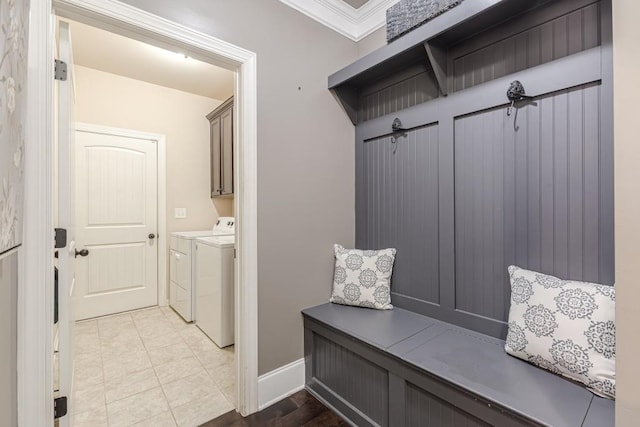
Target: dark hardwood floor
x: 300, y: 409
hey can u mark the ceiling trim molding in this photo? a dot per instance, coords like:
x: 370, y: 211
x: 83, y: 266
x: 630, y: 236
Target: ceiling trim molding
x: 353, y: 23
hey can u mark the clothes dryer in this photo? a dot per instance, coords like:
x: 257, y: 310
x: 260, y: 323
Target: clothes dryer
x: 181, y: 265
x: 215, y: 288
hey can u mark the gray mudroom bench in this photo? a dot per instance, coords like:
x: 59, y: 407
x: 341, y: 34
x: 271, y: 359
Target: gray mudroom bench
x: 400, y: 368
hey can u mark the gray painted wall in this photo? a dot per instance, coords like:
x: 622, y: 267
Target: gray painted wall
x: 8, y: 338
x: 305, y: 156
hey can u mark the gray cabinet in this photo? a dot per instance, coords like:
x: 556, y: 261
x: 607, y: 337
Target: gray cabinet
x: 221, y: 125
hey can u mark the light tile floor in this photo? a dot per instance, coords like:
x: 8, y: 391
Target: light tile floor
x: 149, y: 368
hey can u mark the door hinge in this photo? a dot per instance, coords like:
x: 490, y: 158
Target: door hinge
x: 60, y: 70
x: 59, y: 407
x: 234, y: 253
x: 61, y: 238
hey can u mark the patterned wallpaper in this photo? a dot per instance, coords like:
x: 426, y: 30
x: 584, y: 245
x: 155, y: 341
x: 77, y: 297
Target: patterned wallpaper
x: 14, y: 21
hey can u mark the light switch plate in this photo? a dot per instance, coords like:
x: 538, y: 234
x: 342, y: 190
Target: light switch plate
x: 180, y: 213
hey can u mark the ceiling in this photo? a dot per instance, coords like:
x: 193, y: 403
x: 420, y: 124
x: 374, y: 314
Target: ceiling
x: 354, y: 19
x: 112, y: 53
x: 356, y: 4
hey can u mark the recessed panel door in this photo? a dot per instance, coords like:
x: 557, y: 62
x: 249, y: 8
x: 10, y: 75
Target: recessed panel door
x: 226, y: 124
x: 117, y: 223
x: 216, y: 186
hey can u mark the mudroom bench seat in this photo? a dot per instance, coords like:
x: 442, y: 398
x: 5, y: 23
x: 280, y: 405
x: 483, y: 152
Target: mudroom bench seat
x: 399, y: 368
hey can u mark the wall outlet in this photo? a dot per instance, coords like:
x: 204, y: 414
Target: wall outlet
x: 180, y: 213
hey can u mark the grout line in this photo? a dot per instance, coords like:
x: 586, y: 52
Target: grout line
x: 161, y: 387
x: 104, y: 377
x: 197, y: 355
x: 135, y: 326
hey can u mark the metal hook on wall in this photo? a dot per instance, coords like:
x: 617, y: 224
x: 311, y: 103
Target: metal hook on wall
x: 396, y: 127
x: 515, y: 93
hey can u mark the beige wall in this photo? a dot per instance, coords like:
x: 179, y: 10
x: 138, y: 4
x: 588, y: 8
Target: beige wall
x: 112, y: 100
x: 372, y: 42
x: 626, y: 62
x: 306, y: 193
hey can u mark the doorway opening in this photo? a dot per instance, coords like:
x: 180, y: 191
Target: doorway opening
x: 144, y: 27
x: 144, y: 168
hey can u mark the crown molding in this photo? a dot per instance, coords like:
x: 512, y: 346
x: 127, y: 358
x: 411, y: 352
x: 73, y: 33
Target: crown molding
x: 353, y: 23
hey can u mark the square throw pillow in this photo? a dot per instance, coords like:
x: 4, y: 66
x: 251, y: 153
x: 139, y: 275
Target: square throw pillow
x: 564, y: 326
x: 363, y: 278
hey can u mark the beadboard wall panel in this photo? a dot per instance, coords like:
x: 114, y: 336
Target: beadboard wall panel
x: 557, y: 38
x: 362, y: 383
x: 527, y: 193
x: 415, y: 89
x: 400, y: 207
x: 468, y: 190
x: 423, y: 408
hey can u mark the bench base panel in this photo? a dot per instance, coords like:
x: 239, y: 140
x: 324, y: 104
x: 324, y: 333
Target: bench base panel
x: 372, y: 388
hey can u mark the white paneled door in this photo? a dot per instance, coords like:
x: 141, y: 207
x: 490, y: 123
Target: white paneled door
x: 117, y: 222
x: 63, y: 338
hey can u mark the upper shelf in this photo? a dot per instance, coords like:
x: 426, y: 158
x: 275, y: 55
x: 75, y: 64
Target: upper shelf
x: 426, y: 44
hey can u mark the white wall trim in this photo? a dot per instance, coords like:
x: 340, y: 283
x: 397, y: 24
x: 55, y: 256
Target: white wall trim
x: 246, y: 212
x: 161, y: 201
x: 163, y: 234
x: 35, y: 284
x: 35, y: 390
x: 280, y: 383
x: 355, y: 24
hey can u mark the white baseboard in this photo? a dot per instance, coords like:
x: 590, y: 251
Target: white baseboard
x: 280, y: 383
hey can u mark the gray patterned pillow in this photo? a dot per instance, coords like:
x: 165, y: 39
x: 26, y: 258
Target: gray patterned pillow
x: 564, y: 326
x: 362, y: 278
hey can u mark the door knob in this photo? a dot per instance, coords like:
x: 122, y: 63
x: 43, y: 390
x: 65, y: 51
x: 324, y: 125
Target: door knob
x: 152, y: 236
x: 83, y: 252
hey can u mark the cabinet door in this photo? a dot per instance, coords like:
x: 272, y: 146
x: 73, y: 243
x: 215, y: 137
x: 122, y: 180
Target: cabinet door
x: 215, y: 157
x: 226, y: 124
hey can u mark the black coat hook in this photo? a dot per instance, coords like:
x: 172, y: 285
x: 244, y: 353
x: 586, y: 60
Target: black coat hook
x: 396, y: 126
x: 516, y: 93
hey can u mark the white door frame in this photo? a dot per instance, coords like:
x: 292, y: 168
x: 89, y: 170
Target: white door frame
x: 35, y: 375
x: 161, y: 161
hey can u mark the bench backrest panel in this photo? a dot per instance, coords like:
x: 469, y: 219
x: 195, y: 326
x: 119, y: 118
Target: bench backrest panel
x: 467, y: 190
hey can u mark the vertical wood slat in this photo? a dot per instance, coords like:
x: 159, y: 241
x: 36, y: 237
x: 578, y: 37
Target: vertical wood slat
x: 400, y: 183
x: 425, y: 409
x: 527, y: 194
x: 563, y: 36
x: 398, y: 96
x: 360, y: 382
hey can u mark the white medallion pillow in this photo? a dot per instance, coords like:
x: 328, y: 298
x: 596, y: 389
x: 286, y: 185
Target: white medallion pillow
x: 564, y: 326
x: 363, y: 278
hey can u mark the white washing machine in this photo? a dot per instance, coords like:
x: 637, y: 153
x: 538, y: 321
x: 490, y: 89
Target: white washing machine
x: 215, y: 288
x: 182, y: 266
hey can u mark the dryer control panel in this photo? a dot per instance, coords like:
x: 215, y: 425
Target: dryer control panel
x: 224, y: 225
